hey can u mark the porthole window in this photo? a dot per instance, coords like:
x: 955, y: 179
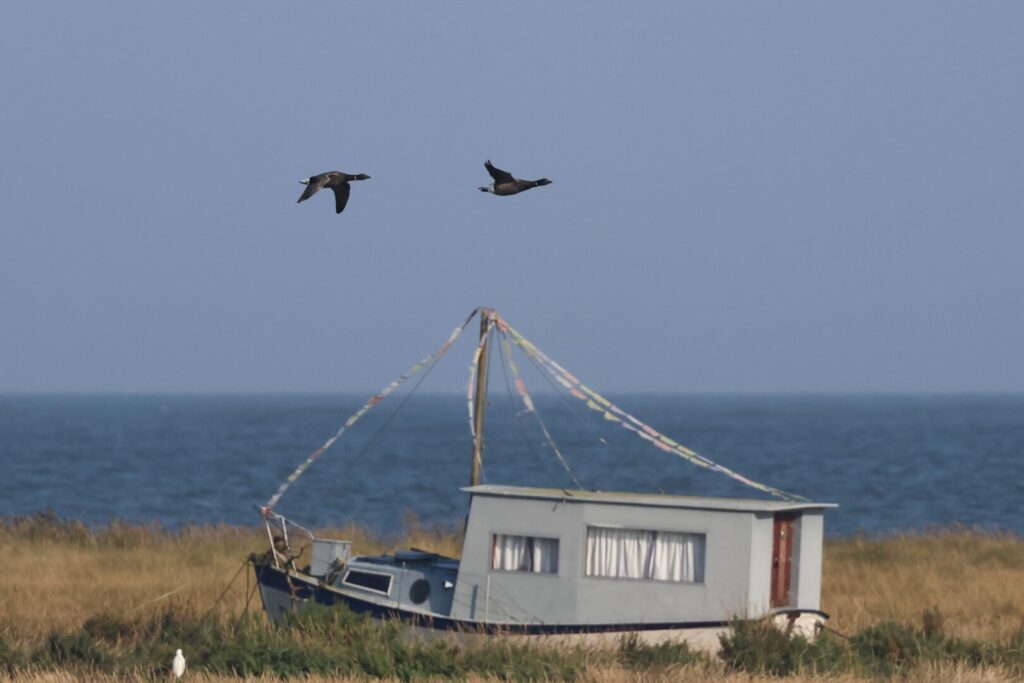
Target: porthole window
x: 419, y: 591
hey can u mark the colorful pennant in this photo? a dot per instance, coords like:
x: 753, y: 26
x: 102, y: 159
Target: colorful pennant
x: 531, y: 408
x: 373, y: 401
x: 613, y: 413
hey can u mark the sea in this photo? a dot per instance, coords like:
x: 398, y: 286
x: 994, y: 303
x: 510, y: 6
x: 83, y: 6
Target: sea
x: 892, y: 463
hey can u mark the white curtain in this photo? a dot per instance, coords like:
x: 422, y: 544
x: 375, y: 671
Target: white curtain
x: 525, y: 554
x: 639, y: 554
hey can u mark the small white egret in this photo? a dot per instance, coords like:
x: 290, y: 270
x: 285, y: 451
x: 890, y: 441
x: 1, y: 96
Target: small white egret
x: 178, y: 667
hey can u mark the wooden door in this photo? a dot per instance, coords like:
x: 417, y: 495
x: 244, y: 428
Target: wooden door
x: 782, y: 558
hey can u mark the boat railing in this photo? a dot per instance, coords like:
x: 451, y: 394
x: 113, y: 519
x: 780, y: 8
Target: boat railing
x: 280, y: 540
x: 327, y: 554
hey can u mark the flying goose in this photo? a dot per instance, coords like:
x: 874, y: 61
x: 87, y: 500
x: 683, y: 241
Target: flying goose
x: 505, y: 184
x: 337, y: 181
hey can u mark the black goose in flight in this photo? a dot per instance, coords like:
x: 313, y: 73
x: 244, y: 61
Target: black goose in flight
x: 337, y: 181
x: 505, y: 184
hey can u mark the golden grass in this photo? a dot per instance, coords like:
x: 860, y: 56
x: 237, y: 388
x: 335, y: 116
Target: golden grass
x: 975, y: 580
x: 57, y: 575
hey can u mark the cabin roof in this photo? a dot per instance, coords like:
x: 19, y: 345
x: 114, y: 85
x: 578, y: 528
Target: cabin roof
x: 645, y: 499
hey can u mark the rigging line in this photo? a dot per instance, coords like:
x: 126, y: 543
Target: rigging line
x: 373, y: 401
x: 355, y: 459
x: 587, y: 424
x: 522, y: 425
x: 613, y: 413
x: 531, y: 407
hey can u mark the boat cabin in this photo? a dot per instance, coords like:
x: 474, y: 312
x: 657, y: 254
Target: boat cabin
x: 549, y: 555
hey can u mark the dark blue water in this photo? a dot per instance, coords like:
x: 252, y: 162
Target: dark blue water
x: 891, y: 462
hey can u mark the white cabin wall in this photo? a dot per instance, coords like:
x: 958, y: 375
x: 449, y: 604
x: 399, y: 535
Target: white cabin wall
x: 761, y: 539
x: 810, y: 551
x: 516, y: 596
x: 721, y: 596
x: 729, y: 589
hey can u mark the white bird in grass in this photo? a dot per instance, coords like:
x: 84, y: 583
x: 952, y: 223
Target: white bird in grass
x: 178, y: 666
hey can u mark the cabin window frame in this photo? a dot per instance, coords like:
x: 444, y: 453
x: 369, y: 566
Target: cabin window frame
x: 349, y: 570
x: 527, y: 572
x: 619, y: 527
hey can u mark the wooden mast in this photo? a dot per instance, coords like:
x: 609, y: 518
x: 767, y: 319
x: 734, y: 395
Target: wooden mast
x: 480, y: 400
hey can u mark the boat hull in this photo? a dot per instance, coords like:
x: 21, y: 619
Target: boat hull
x: 283, y: 592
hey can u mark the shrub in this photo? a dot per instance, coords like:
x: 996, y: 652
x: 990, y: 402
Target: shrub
x: 72, y: 648
x: 11, y: 658
x: 638, y: 656
x: 886, y: 647
x: 761, y: 647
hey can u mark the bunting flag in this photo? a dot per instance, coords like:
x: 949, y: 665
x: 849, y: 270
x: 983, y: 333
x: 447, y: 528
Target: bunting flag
x: 474, y: 367
x: 530, y: 407
x: 611, y: 412
x: 574, y: 387
x: 373, y: 401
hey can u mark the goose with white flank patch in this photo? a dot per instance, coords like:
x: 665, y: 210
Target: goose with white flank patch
x: 504, y: 184
x: 335, y: 180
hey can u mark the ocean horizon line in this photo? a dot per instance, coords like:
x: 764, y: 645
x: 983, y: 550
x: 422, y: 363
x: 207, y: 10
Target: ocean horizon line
x: 758, y: 393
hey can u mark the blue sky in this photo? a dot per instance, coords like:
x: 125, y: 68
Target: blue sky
x: 747, y: 197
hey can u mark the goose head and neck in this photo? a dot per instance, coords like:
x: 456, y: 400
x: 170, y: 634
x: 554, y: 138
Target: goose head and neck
x: 487, y: 188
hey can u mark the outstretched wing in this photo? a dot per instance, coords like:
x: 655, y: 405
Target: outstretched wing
x: 341, y: 196
x: 314, y: 185
x: 498, y: 175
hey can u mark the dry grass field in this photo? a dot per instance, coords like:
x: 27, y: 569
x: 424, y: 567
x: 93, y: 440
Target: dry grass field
x: 58, y: 575
x: 974, y: 580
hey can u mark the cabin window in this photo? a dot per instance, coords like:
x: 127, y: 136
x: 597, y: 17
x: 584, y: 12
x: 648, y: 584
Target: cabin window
x: 371, y: 581
x: 524, y: 554
x: 640, y: 554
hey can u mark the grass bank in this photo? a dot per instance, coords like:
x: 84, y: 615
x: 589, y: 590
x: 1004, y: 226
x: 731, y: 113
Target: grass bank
x: 113, y: 603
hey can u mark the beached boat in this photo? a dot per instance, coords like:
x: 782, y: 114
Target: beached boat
x: 588, y: 566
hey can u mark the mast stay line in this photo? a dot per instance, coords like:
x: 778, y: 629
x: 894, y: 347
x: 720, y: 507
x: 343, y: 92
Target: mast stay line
x: 476, y: 401
x: 267, y: 509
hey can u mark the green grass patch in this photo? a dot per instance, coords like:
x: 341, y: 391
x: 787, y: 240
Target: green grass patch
x: 335, y: 642
x: 885, y: 649
x: 318, y: 641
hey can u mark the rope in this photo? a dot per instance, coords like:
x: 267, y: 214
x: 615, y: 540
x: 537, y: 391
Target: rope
x: 159, y: 597
x: 398, y: 408
x: 373, y: 401
x: 531, y: 408
x: 522, y: 426
x: 248, y: 599
x: 548, y: 367
x: 559, y: 391
x: 245, y: 563
x: 613, y: 413
x: 825, y: 627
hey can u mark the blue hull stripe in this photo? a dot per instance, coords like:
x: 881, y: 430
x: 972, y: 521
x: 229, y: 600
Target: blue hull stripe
x: 274, y: 578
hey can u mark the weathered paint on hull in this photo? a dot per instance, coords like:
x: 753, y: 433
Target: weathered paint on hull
x: 279, y: 598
